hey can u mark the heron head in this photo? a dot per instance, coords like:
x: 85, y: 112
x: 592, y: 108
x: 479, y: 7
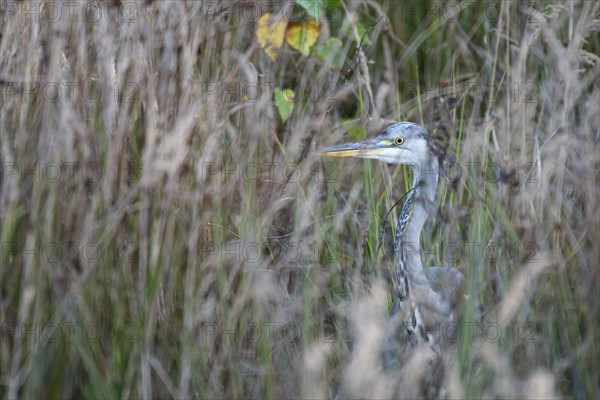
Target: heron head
x: 400, y: 143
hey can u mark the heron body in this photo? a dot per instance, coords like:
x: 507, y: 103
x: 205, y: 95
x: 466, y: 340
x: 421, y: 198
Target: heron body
x: 424, y: 297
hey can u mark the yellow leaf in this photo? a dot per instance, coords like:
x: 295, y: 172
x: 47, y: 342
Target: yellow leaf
x: 303, y: 35
x: 270, y: 36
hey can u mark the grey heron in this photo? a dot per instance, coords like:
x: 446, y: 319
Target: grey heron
x: 424, y: 297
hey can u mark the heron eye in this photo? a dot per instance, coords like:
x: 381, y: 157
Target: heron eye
x: 399, y: 141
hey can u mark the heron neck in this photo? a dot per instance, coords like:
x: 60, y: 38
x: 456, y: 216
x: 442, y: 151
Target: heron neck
x: 417, y: 207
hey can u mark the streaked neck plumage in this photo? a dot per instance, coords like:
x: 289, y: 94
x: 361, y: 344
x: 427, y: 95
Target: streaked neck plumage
x: 417, y: 207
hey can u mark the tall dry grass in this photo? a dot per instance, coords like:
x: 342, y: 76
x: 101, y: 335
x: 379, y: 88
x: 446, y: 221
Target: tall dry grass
x: 164, y: 233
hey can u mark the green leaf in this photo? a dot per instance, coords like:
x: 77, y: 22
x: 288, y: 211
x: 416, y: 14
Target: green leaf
x: 356, y: 132
x: 316, y: 8
x: 360, y: 28
x: 284, y: 100
x: 331, y: 53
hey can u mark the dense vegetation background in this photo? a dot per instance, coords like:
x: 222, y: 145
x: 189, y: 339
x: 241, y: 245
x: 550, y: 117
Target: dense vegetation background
x: 167, y: 229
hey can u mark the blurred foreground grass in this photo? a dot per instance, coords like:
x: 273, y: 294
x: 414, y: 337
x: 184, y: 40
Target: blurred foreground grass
x: 165, y: 233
